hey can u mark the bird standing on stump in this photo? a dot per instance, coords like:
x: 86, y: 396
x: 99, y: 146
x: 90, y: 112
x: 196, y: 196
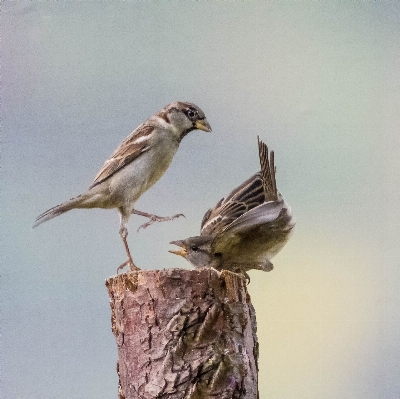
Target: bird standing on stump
x: 246, y: 229
x: 139, y: 161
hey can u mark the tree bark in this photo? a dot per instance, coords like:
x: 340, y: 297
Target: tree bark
x: 184, y: 334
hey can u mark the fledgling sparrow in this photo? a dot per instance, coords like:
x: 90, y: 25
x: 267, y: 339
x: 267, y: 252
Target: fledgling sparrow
x: 246, y: 229
x: 139, y: 161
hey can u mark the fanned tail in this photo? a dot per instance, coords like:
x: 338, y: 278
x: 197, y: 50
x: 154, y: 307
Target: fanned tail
x: 267, y: 171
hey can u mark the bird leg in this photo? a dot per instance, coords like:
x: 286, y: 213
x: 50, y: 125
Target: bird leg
x: 129, y: 262
x: 123, y: 232
x: 242, y: 268
x: 154, y: 218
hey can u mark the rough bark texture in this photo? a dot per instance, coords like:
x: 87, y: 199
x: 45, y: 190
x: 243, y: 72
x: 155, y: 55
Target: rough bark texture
x: 184, y: 334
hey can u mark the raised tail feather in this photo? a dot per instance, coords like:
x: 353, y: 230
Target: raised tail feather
x: 59, y: 210
x: 267, y: 171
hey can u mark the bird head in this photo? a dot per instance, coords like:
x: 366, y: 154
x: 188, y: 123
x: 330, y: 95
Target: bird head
x: 197, y: 251
x: 184, y: 118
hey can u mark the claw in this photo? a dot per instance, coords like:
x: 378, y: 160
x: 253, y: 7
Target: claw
x: 155, y: 218
x: 122, y: 266
x: 131, y: 265
x: 242, y: 273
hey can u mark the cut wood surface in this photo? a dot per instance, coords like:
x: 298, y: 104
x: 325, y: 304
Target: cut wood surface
x: 184, y: 334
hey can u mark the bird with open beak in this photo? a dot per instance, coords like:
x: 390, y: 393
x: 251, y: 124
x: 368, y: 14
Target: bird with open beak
x: 246, y: 229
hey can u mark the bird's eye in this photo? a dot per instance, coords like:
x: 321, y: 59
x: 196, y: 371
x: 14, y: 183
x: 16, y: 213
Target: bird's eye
x: 218, y: 254
x: 194, y: 248
x: 190, y: 113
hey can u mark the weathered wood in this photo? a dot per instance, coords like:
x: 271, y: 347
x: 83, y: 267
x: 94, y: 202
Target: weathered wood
x: 184, y: 334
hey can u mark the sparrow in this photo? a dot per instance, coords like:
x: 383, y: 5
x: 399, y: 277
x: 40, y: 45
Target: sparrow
x: 139, y: 161
x: 246, y: 229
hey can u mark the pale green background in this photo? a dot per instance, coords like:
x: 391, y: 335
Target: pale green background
x: 318, y: 81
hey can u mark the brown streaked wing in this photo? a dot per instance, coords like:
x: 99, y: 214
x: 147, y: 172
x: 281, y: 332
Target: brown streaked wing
x: 130, y: 149
x: 243, y: 198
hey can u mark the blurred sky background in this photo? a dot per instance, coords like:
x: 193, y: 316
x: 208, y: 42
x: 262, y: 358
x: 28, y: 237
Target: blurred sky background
x: 318, y: 81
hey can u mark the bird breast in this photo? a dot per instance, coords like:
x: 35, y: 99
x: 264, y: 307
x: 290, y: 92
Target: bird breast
x: 128, y: 184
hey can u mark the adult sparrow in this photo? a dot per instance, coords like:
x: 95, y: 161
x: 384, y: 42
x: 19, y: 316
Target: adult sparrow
x: 139, y: 161
x: 246, y: 229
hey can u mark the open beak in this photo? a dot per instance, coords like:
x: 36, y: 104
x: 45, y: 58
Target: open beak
x: 203, y: 125
x: 181, y: 251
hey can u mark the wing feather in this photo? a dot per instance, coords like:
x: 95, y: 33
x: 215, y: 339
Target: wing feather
x: 131, y: 148
x: 243, y: 198
x: 268, y: 170
x: 275, y: 216
x: 258, y: 189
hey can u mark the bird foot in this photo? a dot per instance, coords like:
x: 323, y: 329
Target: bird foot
x: 243, y: 274
x: 246, y: 276
x: 155, y: 218
x: 131, y: 265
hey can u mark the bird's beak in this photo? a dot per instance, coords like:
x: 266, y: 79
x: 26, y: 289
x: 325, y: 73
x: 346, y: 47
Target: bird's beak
x: 181, y: 251
x: 203, y: 125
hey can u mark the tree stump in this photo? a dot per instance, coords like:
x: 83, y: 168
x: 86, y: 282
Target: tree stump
x: 184, y: 334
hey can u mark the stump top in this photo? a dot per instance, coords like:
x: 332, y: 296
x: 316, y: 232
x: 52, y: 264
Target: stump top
x: 234, y: 284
